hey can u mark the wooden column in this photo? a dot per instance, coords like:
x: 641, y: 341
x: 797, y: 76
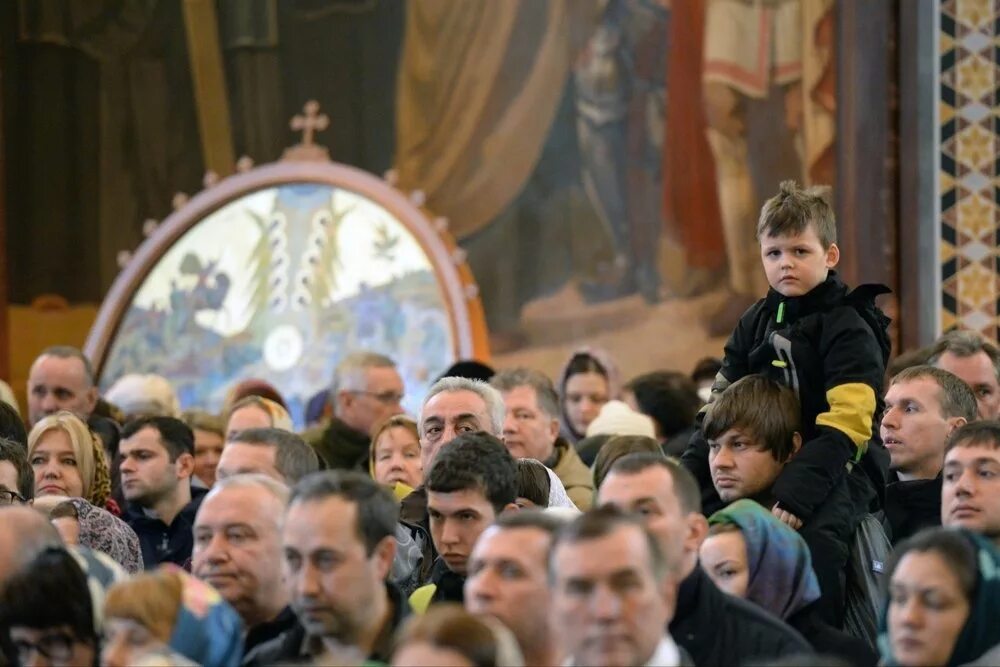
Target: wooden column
x: 4, y: 285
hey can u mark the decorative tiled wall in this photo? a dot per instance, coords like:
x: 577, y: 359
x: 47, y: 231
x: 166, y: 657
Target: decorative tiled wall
x: 969, y: 176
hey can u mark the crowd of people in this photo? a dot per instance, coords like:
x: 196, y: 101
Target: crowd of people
x: 806, y: 499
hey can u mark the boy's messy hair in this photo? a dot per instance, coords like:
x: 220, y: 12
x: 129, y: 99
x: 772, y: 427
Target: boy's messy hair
x: 793, y: 209
x: 768, y: 411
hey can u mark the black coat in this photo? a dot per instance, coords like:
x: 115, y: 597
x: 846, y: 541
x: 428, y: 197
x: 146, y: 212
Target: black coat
x: 719, y: 629
x: 911, y: 506
x: 830, y: 641
x: 161, y: 543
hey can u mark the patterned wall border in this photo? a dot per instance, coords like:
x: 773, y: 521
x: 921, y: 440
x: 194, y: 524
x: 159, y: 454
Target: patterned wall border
x: 968, y: 184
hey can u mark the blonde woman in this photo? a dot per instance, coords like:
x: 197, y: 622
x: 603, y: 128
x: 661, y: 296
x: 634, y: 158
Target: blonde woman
x: 394, y: 458
x: 256, y: 412
x: 69, y: 461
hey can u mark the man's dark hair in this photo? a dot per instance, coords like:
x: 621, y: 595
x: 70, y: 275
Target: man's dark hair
x: 28, y: 595
x: 70, y: 352
x: 543, y: 521
x: 18, y: 457
x: 293, y: 458
x: 12, y: 426
x: 602, y: 522
x: 475, y: 461
x: 669, y: 397
x: 176, y: 436
x: 685, y: 485
x: 378, y: 511
x: 619, y: 446
x: 706, y: 369
x: 964, y: 344
x: 975, y: 434
x: 766, y: 409
x: 954, y: 395
x: 533, y: 482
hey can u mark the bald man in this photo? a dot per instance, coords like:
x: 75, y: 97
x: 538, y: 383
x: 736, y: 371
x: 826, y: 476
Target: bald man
x: 24, y: 532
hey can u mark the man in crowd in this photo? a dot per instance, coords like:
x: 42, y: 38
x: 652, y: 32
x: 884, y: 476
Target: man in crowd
x: 531, y: 430
x: 613, y: 592
x: 366, y: 390
x: 671, y: 400
x: 923, y: 406
x: 24, y: 532
x: 714, y: 628
x: 61, y: 378
x: 157, y: 461
x: 472, y: 481
x: 976, y: 361
x: 237, y: 549
x: 273, y: 452
x: 339, y: 544
x: 970, y: 495
x: 17, y: 479
x: 507, y: 579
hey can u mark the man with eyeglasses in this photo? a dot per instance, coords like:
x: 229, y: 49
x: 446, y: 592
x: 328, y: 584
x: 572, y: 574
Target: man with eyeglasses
x: 366, y: 390
x: 17, y: 480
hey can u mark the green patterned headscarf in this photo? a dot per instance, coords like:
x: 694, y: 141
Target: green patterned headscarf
x: 781, y: 576
x: 981, y: 631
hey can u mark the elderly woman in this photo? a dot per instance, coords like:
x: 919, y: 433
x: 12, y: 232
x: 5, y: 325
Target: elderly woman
x: 69, y: 461
x: 80, y: 523
x: 158, y: 616
x: 751, y: 554
x: 394, y: 457
x: 944, y: 600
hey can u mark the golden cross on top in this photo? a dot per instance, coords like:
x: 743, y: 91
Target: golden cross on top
x: 311, y: 122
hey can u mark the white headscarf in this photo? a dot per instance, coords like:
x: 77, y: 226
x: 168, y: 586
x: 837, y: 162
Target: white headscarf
x: 557, y: 492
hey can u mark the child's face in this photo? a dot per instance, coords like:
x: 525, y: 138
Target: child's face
x: 797, y: 263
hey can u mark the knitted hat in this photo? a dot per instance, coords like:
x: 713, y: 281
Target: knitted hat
x: 617, y: 418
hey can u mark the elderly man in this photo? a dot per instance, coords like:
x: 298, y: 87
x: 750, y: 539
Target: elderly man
x: 923, y: 406
x: 273, y: 452
x: 970, y: 494
x: 976, y: 361
x: 366, y: 390
x: 237, y: 549
x: 531, y: 430
x: 339, y: 544
x: 712, y: 626
x: 24, y: 532
x: 61, y: 378
x: 508, y: 579
x: 613, y: 592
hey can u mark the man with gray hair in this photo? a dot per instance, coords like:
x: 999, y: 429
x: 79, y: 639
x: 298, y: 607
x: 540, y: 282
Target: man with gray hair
x: 976, y: 361
x: 366, y: 390
x: 531, y: 430
x: 24, y: 533
x: 274, y: 452
x: 61, y: 378
x: 237, y: 549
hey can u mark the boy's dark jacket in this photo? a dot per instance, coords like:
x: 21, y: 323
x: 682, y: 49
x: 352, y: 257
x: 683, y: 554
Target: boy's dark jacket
x: 831, y: 347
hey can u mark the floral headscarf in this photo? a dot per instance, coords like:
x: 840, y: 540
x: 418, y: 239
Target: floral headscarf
x: 102, y: 531
x: 782, y: 579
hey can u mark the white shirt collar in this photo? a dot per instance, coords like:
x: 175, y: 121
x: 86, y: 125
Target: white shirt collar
x: 666, y: 655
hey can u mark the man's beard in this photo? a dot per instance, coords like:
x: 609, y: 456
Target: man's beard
x: 335, y: 624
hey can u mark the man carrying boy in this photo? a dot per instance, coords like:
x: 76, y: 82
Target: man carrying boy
x: 827, y: 344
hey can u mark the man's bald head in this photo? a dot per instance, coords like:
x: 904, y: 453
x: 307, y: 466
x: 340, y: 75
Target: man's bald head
x: 24, y: 533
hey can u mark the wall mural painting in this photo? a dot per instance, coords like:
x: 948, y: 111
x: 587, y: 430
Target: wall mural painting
x: 278, y: 284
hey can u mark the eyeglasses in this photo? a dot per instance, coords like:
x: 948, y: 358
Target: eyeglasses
x: 385, y: 397
x: 10, y: 497
x: 54, y: 646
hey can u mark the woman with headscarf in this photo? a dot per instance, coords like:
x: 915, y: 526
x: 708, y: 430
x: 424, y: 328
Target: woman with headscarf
x: 70, y: 461
x: 80, y: 523
x: 588, y: 381
x: 539, y: 487
x: 751, y: 554
x: 158, y: 616
x: 943, y: 606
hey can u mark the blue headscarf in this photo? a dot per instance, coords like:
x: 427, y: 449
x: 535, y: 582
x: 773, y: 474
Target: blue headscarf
x: 206, y: 629
x: 781, y: 576
x: 981, y: 631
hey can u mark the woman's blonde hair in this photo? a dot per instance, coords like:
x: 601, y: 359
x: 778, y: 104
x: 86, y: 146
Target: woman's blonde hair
x: 395, y: 421
x: 152, y: 600
x: 91, y: 460
x: 279, y: 416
